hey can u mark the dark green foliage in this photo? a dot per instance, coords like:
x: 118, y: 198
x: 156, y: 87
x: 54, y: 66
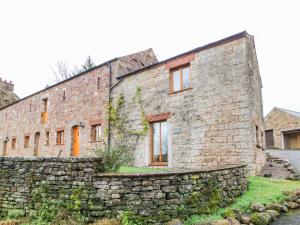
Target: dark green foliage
x: 115, y: 157
x: 62, y: 211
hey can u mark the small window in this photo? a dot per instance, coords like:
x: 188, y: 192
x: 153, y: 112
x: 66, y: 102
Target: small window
x: 98, y: 83
x: 13, y: 143
x: 96, y: 133
x: 180, y: 79
x: 26, y: 141
x: 47, y: 138
x: 257, y: 133
x: 45, y: 104
x: 60, y: 137
x: 159, y: 142
x: 64, y: 95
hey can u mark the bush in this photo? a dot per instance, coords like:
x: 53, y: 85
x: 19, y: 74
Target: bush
x: 115, y: 157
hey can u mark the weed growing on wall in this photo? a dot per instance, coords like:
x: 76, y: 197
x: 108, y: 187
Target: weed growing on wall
x: 67, y: 209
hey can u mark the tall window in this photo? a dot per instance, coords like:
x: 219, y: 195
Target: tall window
x: 45, y: 104
x: 47, y: 138
x: 26, y: 141
x: 159, y: 143
x: 96, y: 133
x: 13, y: 143
x: 64, y: 95
x: 98, y: 83
x: 60, y: 135
x: 44, y: 114
x: 180, y: 79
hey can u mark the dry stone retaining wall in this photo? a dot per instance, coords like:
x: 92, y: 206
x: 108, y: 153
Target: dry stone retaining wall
x: 160, y: 196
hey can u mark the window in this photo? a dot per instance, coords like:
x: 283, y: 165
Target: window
x: 13, y: 143
x: 47, y: 138
x: 159, y: 143
x: 180, y: 79
x: 64, y: 95
x: 60, y: 137
x: 44, y: 114
x: 257, y: 133
x: 26, y: 141
x: 96, y: 133
x: 98, y: 83
x: 45, y: 104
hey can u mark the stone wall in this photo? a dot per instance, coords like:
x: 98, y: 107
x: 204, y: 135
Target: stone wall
x: 214, y: 122
x: 159, y: 196
x: 280, y: 120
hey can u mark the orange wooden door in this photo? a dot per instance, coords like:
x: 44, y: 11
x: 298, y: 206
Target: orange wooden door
x: 76, y: 148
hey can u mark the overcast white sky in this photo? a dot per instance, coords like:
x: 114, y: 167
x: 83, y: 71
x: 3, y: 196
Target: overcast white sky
x: 34, y: 35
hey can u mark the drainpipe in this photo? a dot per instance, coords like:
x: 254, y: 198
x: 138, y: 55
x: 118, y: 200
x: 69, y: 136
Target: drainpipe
x: 111, y: 87
x: 109, y: 101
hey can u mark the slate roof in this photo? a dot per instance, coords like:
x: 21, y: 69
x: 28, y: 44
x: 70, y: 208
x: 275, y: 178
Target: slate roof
x: 294, y: 113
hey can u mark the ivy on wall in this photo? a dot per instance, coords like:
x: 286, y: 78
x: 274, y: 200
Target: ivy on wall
x: 118, y: 120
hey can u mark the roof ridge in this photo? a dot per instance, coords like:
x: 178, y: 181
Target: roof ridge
x: 207, y: 46
x: 292, y: 112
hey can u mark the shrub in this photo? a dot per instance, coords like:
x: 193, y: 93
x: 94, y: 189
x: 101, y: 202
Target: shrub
x: 115, y: 157
x: 228, y: 213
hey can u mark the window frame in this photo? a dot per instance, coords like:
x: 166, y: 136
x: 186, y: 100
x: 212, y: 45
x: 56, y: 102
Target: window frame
x: 171, y: 78
x: 151, y: 147
x: 26, y: 141
x: 94, y: 137
x: 60, y: 137
x: 47, y: 138
x: 13, y: 143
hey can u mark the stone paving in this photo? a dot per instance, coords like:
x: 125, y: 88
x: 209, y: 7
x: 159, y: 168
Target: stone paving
x: 292, y: 155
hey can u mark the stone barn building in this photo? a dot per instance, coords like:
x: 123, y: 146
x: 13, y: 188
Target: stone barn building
x: 200, y: 108
x: 282, y: 129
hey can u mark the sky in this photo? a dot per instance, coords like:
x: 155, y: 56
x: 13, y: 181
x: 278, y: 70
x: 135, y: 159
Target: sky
x: 35, y: 35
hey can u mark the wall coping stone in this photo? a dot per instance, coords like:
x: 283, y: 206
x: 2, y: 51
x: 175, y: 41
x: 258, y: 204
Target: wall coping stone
x: 172, y: 172
x: 52, y: 159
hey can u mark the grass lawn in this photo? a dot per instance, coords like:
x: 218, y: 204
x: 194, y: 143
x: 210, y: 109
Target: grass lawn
x: 126, y: 169
x: 261, y: 190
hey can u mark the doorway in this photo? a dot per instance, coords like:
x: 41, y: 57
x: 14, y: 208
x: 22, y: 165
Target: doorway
x: 291, y: 140
x: 76, y: 143
x: 5, y: 148
x: 36, y: 143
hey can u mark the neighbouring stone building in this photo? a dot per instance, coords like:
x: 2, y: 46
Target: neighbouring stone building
x: 199, y: 108
x: 282, y: 129
x: 7, y: 94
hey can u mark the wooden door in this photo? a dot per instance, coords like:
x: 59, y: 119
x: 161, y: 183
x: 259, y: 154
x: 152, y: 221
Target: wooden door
x: 36, y: 144
x: 76, y: 144
x: 5, y: 148
x: 269, y: 138
x: 295, y: 141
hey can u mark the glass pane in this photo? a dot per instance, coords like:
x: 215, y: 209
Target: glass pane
x: 98, y: 133
x: 156, y: 141
x: 176, y: 80
x: 164, y: 138
x: 186, y: 78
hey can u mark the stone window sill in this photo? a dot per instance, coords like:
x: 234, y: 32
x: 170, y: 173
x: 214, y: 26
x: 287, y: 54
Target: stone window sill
x: 158, y: 164
x: 183, y: 90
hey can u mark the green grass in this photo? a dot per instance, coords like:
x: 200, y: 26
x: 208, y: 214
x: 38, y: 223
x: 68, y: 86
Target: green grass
x: 261, y: 190
x: 126, y: 169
